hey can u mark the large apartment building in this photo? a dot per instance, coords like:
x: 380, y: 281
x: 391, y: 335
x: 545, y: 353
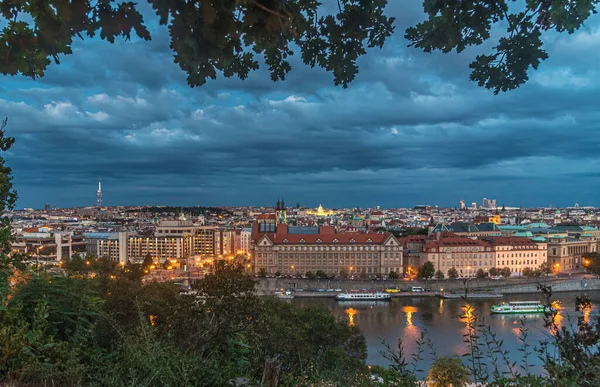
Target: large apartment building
x: 291, y: 250
x: 173, y: 240
x: 467, y: 255
x: 518, y: 253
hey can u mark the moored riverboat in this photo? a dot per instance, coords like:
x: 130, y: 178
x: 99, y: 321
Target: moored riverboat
x: 520, y: 307
x: 363, y: 296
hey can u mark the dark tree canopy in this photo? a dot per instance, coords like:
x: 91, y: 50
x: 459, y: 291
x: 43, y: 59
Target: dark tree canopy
x: 228, y: 36
x: 457, y: 24
x: 206, y: 37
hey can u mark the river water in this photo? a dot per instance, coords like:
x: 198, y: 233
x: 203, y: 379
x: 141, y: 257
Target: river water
x: 445, y: 324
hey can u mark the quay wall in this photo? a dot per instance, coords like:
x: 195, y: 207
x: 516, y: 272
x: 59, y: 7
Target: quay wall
x: 266, y: 286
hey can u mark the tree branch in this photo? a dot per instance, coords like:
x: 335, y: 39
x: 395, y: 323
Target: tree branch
x: 282, y: 16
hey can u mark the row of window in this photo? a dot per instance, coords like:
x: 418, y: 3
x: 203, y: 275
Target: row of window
x: 337, y: 248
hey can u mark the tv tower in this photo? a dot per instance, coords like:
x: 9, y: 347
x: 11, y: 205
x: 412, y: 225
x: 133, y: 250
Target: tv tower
x: 99, y: 194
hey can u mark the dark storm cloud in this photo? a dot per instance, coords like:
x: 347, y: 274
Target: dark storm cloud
x: 411, y: 129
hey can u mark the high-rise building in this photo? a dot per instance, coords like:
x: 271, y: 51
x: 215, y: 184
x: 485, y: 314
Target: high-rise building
x: 461, y: 205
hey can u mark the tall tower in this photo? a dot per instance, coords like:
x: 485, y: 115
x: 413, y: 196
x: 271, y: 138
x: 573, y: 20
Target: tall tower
x: 99, y: 194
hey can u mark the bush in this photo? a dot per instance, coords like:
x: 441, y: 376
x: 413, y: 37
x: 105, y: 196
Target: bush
x: 448, y: 371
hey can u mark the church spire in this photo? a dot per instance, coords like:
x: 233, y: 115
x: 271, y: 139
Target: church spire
x: 283, y: 205
x: 278, y: 205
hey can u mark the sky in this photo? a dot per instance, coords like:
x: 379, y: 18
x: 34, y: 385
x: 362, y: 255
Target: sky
x: 411, y: 129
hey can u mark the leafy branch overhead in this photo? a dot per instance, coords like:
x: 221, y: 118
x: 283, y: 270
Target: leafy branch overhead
x: 229, y: 36
x: 206, y: 37
x: 457, y: 24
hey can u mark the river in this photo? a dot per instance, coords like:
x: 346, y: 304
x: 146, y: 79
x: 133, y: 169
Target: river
x: 444, y: 323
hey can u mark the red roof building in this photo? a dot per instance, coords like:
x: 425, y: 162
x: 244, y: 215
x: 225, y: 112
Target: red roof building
x: 297, y: 250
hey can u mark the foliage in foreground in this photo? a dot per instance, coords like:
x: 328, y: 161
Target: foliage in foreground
x: 100, y: 328
x: 208, y: 38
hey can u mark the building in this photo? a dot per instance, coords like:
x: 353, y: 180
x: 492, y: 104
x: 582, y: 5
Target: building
x: 518, y: 253
x: 109, y: 245
x: 466, y: 255
x: 246, y: 240
x: 292, y: 250
x: 411, y: 251
x: 564, y: 253
x: 161, y: 249
x: 45, y: 244
x: 320, y: 212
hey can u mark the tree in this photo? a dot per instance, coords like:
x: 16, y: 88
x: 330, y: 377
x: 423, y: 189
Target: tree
x: 505, y: 272
x: 167, y: 264
x: 455, y: 25
x: 439, y: 275
x: 393, y: 275
x: 277, y: 273
x: 310, y: 275
x: 344, y: 273
x: 452, y: 273
x: 212, y: 37
x: 528, y: 272
x: 448, y: 371
x: 148, y: 261
x: 206, y: 37
x: 321, y: 274
x: 9, y: 264
x: 262, y: 272
x: 545, y: 269
x: 591, y: 262
x: 363, y: 273
x: 480, y: 274
x: 426, y: 271
x: 494, y: 271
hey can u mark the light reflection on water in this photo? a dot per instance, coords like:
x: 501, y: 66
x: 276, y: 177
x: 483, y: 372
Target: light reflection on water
x: 445, y: 322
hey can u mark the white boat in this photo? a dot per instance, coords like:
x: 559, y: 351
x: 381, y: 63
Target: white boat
x: 520, y: 307
x: 363, y: 296
x: 287, y: 295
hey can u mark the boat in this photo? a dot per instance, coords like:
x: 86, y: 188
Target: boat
x: 287, y: 295
x: 363, y: 296
x: 520, y: 307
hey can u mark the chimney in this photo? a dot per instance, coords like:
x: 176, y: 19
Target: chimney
x: 438, y: 235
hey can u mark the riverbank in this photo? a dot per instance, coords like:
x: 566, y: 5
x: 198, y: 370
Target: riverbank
x: 304, y: 288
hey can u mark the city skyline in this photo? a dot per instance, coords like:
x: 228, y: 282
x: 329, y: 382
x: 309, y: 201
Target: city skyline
x: 407, y: 131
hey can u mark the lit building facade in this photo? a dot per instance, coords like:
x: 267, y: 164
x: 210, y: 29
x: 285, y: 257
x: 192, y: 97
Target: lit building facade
x: 466, y: 255
x: 292, y: 250
x: 564, y: 253
x: 518, y: 253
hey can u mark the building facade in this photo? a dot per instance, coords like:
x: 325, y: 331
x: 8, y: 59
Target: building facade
x: 518, y: 253
x: 564, y: 253
x: 297, y: 250
x: 466, y: 255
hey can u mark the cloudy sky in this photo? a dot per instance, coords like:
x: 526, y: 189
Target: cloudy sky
x: 410, y: 130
